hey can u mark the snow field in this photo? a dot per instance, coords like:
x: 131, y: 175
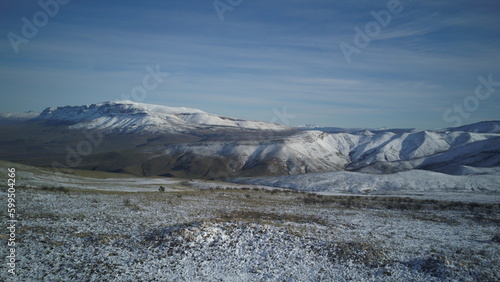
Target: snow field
x: 241, y: 235
x: 412, y: 181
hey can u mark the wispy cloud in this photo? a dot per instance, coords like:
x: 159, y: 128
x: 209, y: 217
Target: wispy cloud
x: 264, y: 55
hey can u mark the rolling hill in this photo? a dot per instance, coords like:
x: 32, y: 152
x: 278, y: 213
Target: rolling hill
x: 147, y: 140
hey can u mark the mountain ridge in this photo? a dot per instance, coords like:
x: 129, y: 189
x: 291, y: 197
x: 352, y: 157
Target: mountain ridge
x: 115, y: 108
x: 130, y: 117
x: 188, y: 142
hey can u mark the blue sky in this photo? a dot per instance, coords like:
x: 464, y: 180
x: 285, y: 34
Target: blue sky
x: 262, y: 57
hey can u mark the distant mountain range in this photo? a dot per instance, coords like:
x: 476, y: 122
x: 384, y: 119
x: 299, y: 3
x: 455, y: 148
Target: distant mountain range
x: 131, y: 117
x: 145, y: 139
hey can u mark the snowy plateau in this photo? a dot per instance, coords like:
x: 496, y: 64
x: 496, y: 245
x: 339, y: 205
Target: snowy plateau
x: 126, y: 191
x: 129, y: 117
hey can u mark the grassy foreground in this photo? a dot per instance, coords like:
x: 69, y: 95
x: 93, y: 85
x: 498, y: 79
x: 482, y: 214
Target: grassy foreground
x: 187, y: 234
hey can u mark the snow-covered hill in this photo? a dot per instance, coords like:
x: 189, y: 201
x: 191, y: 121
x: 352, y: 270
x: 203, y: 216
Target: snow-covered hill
x: 409, y: 181
x: 133, y: 117
x: 389, y: 152
x: 300, y: 153
x: 215, y: 145
x: 364, y: 151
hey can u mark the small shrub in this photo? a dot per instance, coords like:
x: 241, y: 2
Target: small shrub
x: 56, y: 189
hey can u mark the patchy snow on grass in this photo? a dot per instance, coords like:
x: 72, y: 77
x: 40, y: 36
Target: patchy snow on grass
x: 90, y: 230
x: 409, y: 183
x: 246, y: 235
x: 34, y: 177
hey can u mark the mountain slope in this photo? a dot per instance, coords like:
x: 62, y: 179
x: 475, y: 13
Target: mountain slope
x: 302, y: 152
x: 145, y: 139
x: 316, y: 151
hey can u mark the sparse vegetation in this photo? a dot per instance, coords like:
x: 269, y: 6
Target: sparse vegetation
x: 56, y: 189
x: 260, y: 233
x: 397, y: 203
x: 265, y: 217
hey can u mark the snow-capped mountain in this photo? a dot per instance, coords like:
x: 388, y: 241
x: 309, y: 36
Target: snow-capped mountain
x: 133, y: 117
x: 189, y: 142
